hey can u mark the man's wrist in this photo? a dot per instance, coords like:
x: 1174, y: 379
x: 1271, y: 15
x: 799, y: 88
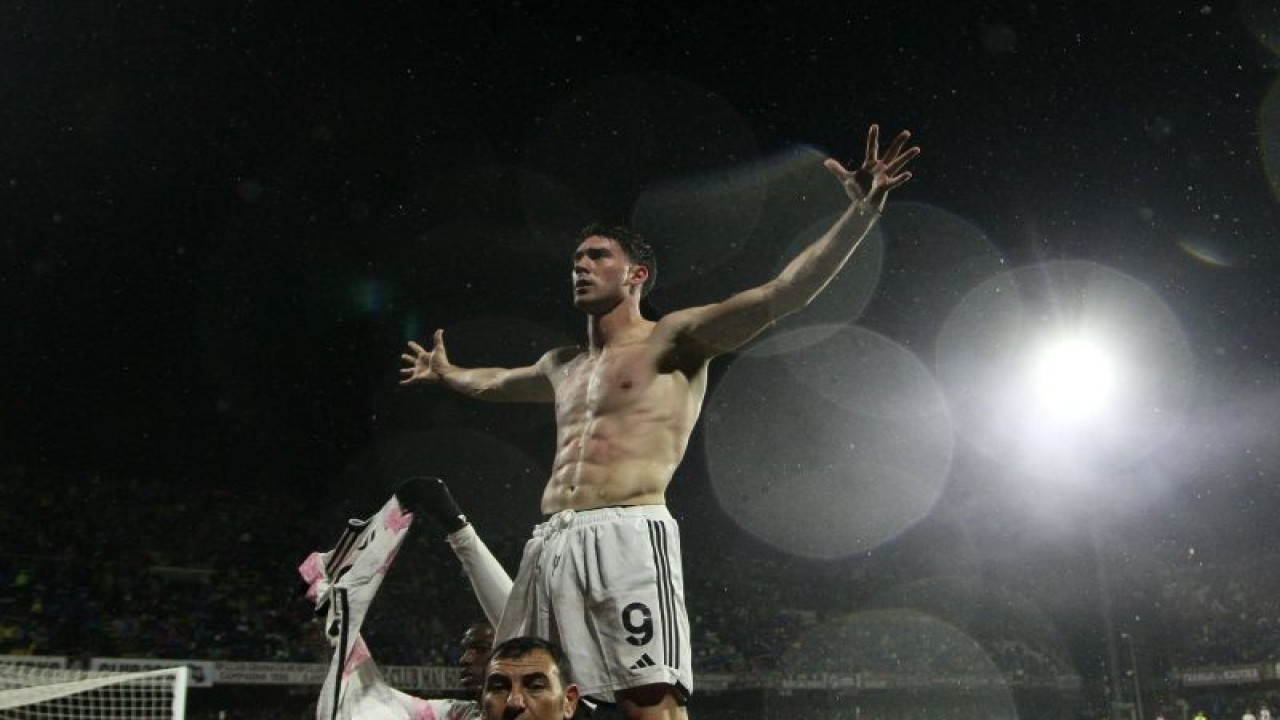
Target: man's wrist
x: 462, y: 535
x: 443, y: 374
x: 862, y: 207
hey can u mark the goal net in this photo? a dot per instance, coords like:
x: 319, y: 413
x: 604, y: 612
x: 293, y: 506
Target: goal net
x: 31, y: 693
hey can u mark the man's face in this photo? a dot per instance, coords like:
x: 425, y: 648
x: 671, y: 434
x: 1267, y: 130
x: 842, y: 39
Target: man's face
x: 602, y: 273
x: 527, y: 687
x: 477, y: 646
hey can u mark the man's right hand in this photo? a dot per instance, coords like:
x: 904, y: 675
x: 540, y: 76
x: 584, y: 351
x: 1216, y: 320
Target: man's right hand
x: 423, y: 365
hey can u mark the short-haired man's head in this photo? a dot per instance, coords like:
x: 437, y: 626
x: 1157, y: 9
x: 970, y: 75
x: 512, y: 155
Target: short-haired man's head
x: 636, y: 247
x: 477, y: 645
x: 518, y: 647
x: 526, y: 678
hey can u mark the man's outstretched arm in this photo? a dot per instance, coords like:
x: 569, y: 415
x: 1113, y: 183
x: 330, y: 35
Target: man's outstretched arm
x: 526, y: 384
x: 724, y: 326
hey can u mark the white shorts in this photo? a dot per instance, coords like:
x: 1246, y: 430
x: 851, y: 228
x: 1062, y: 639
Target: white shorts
x: 606, y: 585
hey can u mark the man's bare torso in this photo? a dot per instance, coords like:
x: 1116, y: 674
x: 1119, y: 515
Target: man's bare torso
x: 624, y: 414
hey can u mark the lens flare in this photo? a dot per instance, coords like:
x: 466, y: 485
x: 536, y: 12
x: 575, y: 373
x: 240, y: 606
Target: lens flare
x: 1262, y: 17
x: 1269, y: 136
x: 1074, y: 378
x: 1065, y: 368
x: 830, y: 449
x: 903, y: 664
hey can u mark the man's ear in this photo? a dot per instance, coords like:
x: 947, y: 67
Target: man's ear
x: 639, y: 274
x: 571, y: 696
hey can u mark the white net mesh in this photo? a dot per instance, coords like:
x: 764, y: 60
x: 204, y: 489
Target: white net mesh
x: 31, y: 693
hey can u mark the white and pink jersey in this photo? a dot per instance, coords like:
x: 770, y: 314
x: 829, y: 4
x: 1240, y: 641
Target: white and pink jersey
x: 342, y: 583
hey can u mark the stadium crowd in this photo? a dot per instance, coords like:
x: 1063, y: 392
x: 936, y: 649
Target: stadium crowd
x: 211, y: 574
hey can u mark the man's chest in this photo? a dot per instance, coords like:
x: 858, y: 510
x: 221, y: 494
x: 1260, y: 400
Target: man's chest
x: 611, y: 381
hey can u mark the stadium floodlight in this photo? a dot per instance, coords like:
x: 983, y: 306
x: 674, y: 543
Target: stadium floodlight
x: 1066, y: 371
x: 1073, y: 378
x: 35, y: 693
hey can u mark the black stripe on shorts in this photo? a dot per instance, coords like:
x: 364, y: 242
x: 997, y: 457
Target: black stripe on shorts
x: 666, y: 593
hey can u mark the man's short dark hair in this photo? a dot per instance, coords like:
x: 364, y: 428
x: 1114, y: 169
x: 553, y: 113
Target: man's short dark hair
x: 518, y: 647
x: 635, y: 246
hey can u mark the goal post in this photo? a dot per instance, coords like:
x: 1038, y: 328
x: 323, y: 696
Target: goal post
x: 36, y: 693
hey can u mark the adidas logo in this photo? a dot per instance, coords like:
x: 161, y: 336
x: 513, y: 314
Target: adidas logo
x: 644, y: 662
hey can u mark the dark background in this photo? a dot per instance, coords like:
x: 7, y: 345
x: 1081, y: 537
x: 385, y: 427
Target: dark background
x: 222, y: 221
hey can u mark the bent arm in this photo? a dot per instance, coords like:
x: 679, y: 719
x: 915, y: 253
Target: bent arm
x: 490, y: 581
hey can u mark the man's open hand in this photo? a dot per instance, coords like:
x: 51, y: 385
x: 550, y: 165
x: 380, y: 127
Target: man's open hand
x: 877, y: 175
x: 423, y: 365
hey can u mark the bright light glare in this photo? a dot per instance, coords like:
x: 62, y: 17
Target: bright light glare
x: 1073, y: 379
x: 1065, y: 368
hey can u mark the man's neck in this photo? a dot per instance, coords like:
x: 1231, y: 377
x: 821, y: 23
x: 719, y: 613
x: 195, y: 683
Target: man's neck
x: 613, y: 326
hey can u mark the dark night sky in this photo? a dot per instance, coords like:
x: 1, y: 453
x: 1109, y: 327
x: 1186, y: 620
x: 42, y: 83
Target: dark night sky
x: 223, y: 220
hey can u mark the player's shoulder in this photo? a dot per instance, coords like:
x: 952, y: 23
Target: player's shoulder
x: 678, y: 321
x: 680, y: 344
x: 561, y: 355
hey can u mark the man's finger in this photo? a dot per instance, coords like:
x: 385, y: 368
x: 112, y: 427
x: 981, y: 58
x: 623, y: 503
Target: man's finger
x: 417, y: 348
x: 898, y: 143
x: 836, y: 168
x: 897, y: 180
x: 901, y: 162
x: 873, y: 143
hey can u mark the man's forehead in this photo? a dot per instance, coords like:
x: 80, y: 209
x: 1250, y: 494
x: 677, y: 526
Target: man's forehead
x: 535, y: 662
x: 597, y: 242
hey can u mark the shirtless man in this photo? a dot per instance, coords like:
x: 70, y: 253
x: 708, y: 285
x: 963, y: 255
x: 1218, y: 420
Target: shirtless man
x: 602, y: 575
